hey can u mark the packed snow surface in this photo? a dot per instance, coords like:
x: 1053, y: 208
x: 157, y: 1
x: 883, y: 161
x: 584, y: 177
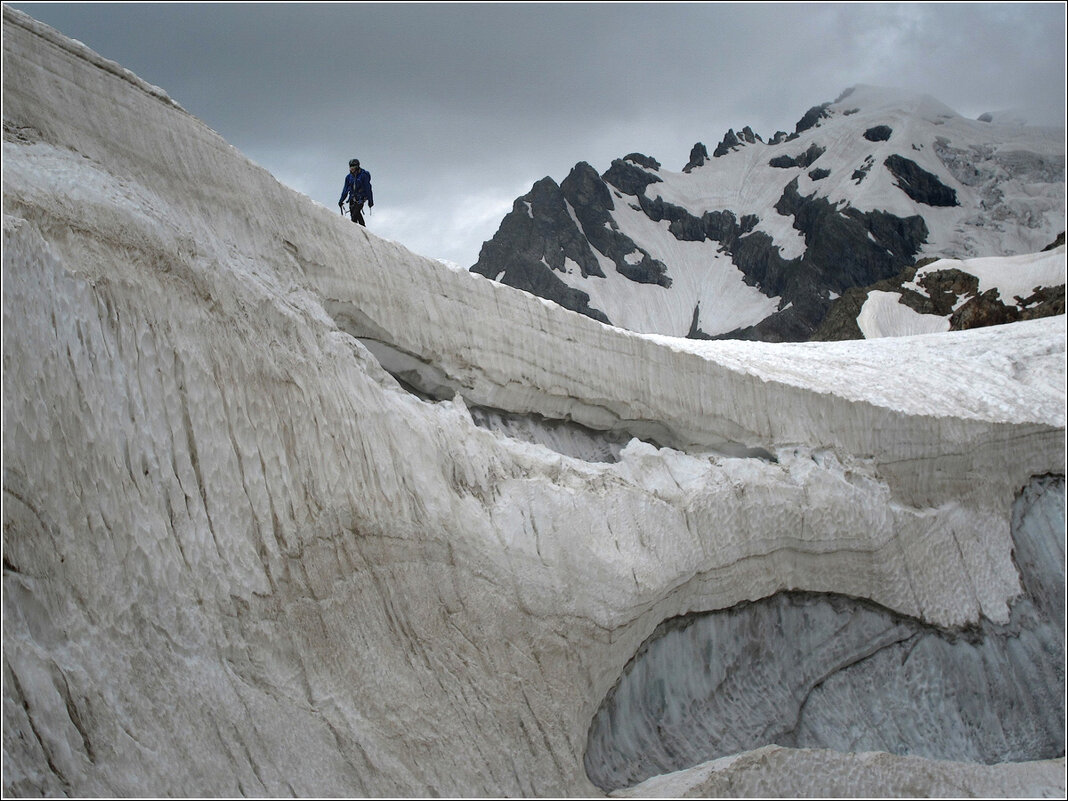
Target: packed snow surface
x: 918, y: 374
x: 257, y: 542
x: 884, y: 315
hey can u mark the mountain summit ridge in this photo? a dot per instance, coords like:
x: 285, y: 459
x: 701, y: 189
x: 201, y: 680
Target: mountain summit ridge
x: 760, y: 238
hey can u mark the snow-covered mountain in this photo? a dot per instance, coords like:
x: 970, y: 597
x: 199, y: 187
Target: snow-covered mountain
x: 292, y: 511
x: 761, y: 239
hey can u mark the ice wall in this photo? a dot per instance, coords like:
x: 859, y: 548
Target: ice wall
x: 826, y: 671
x: 241, y: 559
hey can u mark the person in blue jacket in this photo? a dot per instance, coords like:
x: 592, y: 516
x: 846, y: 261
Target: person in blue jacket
x: 358, y: 190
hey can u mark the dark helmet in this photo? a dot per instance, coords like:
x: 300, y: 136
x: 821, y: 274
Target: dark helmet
x: 354, y: 162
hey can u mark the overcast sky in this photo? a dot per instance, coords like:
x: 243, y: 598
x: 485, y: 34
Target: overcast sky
x: 457, y: 109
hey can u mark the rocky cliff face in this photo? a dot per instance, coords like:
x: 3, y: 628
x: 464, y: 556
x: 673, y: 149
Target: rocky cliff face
x: 289, y: 510
x: 862, y: 189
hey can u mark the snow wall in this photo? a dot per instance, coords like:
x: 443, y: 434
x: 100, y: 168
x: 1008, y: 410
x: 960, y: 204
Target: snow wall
x: 243, y: 558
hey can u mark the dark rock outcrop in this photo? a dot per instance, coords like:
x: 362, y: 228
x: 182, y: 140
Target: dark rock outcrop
x: 642, y: 160
x: 1045, y: 301
x: 541, y: 228
x: 988, y: 308
x: 571, y: 221
x: 981, y: 311
x: 943, y: 288
x: 730, y: 141
x: 748, y: 136
x: 879, y: 133
x: 861, y: 172
x: 812, y: 118
x: 1056, y: 243
x: 950, y: 293
x: 533, y: 242
x: 591, y: 201
x: 698, y: 157
x: 845, y: 248
x: 920, y: 185
x: 801, y: 160
x: 840, y: 322
x: 628, y: 178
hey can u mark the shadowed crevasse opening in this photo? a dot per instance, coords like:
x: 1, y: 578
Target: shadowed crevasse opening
x: 431, y: 383
x: 810, y: 670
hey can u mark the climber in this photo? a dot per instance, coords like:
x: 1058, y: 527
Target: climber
x: 358, y: 191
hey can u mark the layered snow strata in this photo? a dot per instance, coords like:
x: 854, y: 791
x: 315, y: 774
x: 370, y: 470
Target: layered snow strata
x: 241, y: 559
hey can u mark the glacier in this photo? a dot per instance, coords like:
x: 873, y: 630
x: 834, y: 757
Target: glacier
x: 290, y: 510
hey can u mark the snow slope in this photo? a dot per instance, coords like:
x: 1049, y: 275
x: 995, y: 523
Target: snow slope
x: 243, y: 558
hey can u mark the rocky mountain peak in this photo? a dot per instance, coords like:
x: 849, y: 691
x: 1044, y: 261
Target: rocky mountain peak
x: 698, y: 156
x: 763, y: 238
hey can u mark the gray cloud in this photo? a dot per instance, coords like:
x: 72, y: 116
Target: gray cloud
x: 456, y: 109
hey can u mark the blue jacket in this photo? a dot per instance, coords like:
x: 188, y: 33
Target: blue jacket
x: 358, y: 188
